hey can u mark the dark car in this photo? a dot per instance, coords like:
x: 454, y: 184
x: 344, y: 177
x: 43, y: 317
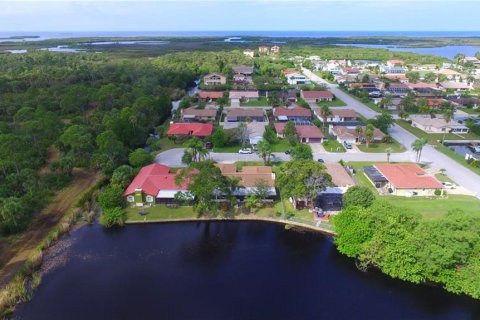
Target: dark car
x: 321, y: 160
x: 288, y: 151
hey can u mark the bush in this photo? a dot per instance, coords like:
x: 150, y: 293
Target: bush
x: 113, y: 217
x: 111, y: 197
x: 437, y: 192
x: 358, y: 196
x: 139, y: 158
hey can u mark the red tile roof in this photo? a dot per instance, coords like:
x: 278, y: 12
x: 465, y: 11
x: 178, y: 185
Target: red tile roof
x: 303, y: 131
x: 194, y: 129
x: 317, y: 94
x: 153, y: 178
x: 292, y: 112
x: 408, y: 176
x: 210, y: 94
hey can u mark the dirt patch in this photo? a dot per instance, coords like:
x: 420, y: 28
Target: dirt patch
x: 15, y: 252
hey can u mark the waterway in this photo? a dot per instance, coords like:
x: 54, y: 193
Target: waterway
x: 222, y: 270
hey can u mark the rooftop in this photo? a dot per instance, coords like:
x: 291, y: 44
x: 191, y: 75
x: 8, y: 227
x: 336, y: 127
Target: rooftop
x: 407, y: 176
x: 194, y: 129
x: 340, y: 176
x: 323, y: 94
x: 153, y: 178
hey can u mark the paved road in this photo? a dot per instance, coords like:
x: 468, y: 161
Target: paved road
x: 461, y: 175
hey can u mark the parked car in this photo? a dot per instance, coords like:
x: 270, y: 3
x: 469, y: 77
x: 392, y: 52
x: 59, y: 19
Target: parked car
x: 347, y: 145
x: 448, y: 185
x: 321, y: 160
x: 245, y: 151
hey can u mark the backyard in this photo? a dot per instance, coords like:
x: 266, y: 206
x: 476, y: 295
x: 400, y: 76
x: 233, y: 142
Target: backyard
x: 335, y: 103
x: 261, y: 102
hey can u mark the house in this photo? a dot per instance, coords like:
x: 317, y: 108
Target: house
x: 244, y: 114
x: 295, y: 78
x: 366, y: 86
x: 397, y: 77
x: 210, y: 95
x: 347, y: 134
x: 190, y: 129
x: 199, y: 115
x: 242, y: 79
x: 393, y: 66
x: 154, y: 183
x: 331, y: 199
x: 214, y: 79
x: 275, y: 49
x: 316, y: 96
x: 249, y: 53
x: 407, y: 179
x: 455, y: 86
x: 472, y: 60
x: 243, y: 96
x: 340, y: 177
x: 435, y: 103
x: 336, y: 115
x: 395, y: 63
x: 245, y: 70
x: 296, y: 114
x: 249, y: 178
x: 398, y: 89
x: 263, y: 49
x: 350, y: 70
x: 289, y: 96
x: 436, y: 125
x: 305, y: 133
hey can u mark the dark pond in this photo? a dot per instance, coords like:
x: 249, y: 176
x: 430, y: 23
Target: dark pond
x: 222, y: 270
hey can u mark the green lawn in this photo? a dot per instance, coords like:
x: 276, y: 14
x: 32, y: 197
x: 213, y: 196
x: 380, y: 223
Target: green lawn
x: 433, y: 138
x: 444, y: 178
x: 228, y: 149
x: 281, y: 146
x: 470, y: 110
x: 332, y: 145
x: 428, y: 207
x: 261, y: 102
x: 382, y: 147
x: 335, y: 103
x: 160, y: 212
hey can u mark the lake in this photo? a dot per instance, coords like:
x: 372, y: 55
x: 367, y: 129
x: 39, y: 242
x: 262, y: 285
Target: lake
x: 448, y: 52
x: 222, y: 270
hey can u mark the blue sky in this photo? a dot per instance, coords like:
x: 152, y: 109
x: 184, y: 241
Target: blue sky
x: 226, y: 15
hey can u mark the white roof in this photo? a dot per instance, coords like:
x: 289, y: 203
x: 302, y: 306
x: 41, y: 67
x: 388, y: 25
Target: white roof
x: 170, y: 194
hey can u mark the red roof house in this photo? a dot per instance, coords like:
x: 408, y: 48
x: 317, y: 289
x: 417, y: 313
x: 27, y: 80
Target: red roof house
x: 306, y: 133
x: 190, y: 129
x: 210, y: 95
x: 316, y: 96
x: 153, y: 183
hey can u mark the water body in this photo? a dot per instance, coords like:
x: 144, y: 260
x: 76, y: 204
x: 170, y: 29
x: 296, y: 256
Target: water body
x: 222, y: 270
x: 448, y: 52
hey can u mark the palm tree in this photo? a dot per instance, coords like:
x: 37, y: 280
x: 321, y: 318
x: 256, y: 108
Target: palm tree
x: 369, y: 131
x: 197, y: 149
x: 386, y: 101
x: 417, y: 146
x: 264, y: 151
x: 358, y: 132
x: 447, y: 116
x: 324, y: 112
x: 403, y: 115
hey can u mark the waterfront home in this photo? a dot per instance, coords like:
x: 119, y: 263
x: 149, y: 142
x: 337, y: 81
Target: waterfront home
x: 436, y: 125
x: 249, y: 178
x: 348, y: 134
x: 245, y: 70
x: 199, y: 130
x: 244, y: 114
x: 296, y: 114
x: 209, y: 96
x: 155, y: 183
x: 214, y: 79
x: 331, y: 199
x: 405, y: 179
x: 305, y: 133
x: 316, y: 96
x: 249, y: 53
x: 199, y: 115
x: 336, y: 115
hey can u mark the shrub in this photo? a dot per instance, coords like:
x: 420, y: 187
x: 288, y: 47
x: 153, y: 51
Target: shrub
x: 111, y: 197
x: 358, y: 196
x: 437, y: 192
x: 113, y: 217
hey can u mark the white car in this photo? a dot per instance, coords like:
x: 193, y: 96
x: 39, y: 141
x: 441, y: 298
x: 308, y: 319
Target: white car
x: 245, y: 151
x: 448, y: 185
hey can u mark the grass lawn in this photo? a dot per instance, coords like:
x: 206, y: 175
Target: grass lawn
x: 470, y: 110
x: 427, y: 207
x: 332, y: 145
x: 281, y: 146
x: 444, y: 178
x: 433, y: 138
x: 335, y: 103
x: 381, y: 147
x: 261, y: 102
x: 160, y: 212
x: 227, y: 149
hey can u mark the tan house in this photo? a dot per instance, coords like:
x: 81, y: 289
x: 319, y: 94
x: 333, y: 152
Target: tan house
x: 263, y: 49
x: 316, y: 96
x: 214, y: 79
x: 436, y: 125
x: 249, y: 178
x: 336, y: 115
x: 345, y: 134
x: 305, y: 133
x: 275, y: 49
x: 199, y: 115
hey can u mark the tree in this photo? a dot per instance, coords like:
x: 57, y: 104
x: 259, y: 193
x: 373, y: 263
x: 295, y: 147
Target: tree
x: 358, y: 196
x: 122, y: 176
x: 359, y: 132
x: 413, y: 76
x: 264, y: 150
x: 111, y: 197
x: 262, y: 189
x: 113, y: 217
x: 417, y: 146
x: 325, y: 112
x: 290, y: 133
x: 139, y: 158
x: 302, y: 179
x: 219, y: 137
x: 242, y: 133
x: 302, y: 151
x: 429, y: 77
x: 196, y: 150
x: 269, y: 135
x: 383, y: 121
x: 78, y: 140
x: 109, y: 145
x: 447, y: 116
x: 369, y: 133
x: 386, y: 101
x: 12, y: 215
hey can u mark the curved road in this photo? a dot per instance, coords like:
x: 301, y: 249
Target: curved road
x: 460, y: 174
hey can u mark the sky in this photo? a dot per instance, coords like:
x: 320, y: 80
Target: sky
x: 246, y: 15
